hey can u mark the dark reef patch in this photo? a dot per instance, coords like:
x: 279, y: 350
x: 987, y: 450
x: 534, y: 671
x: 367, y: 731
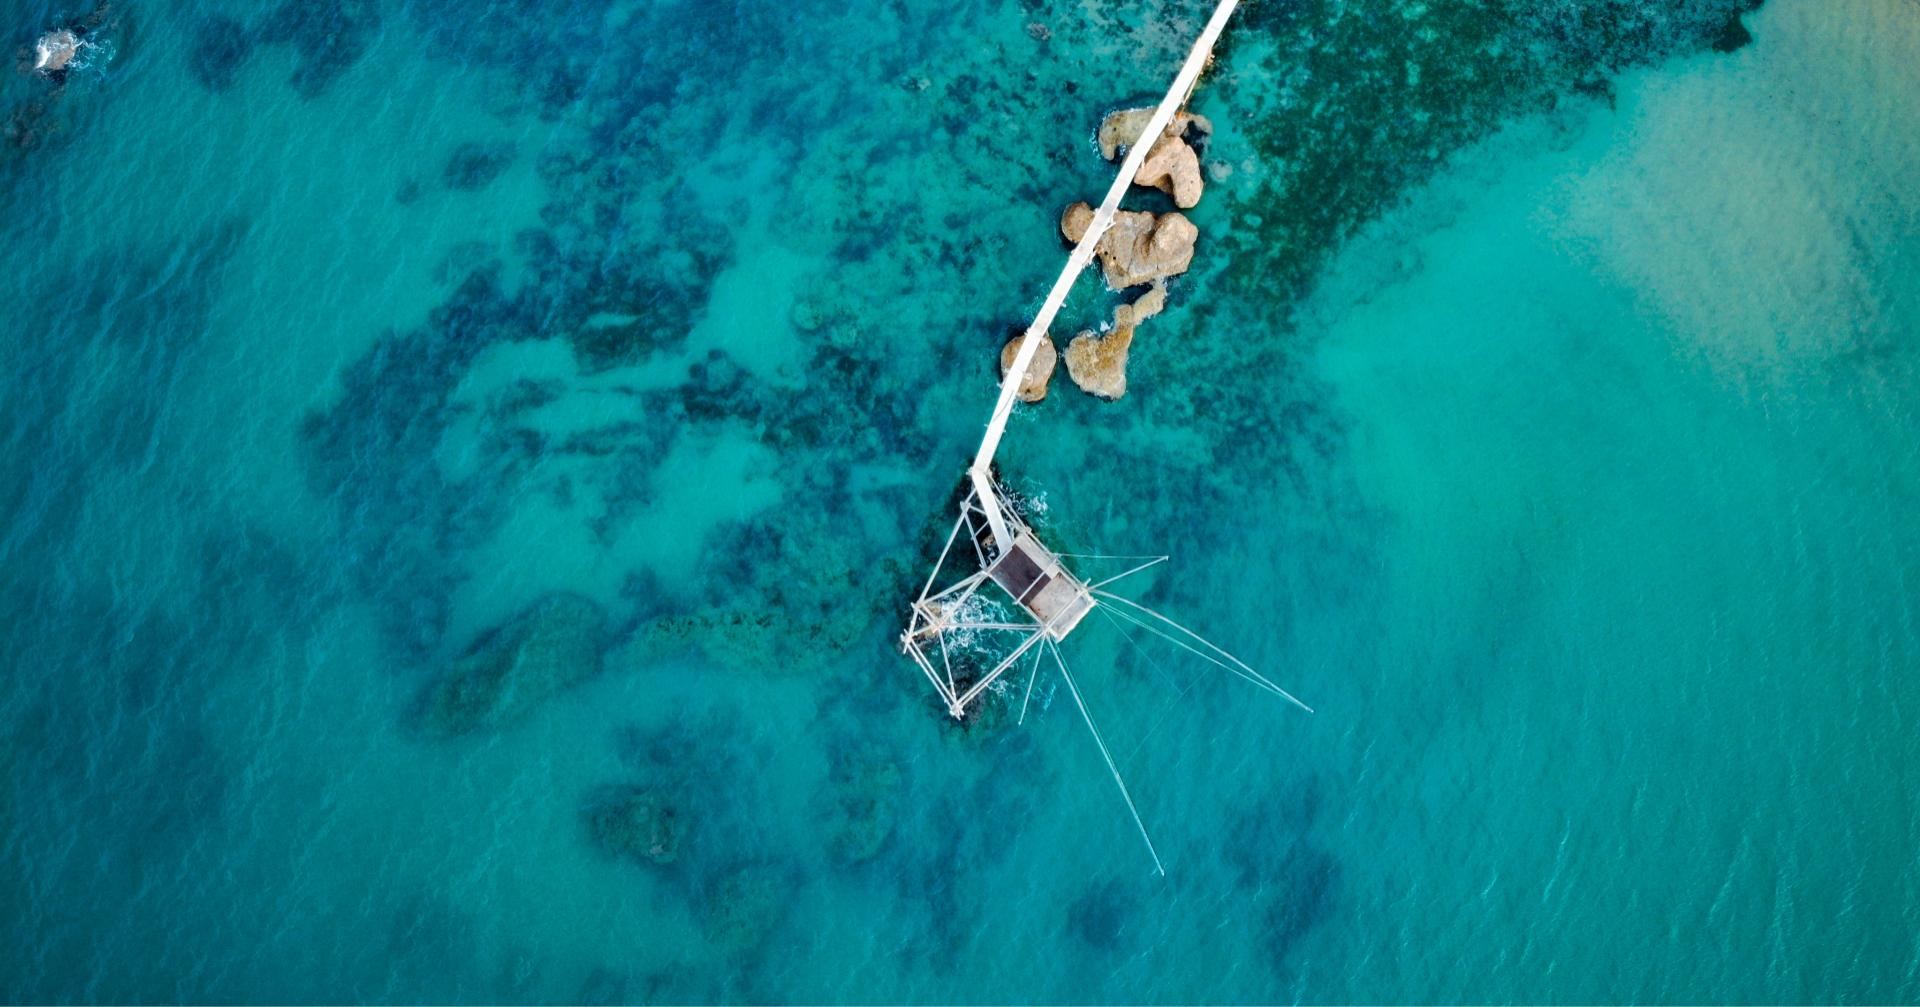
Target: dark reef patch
x: 1099, y: 915
x: 1270, y: 842
x: 1307, y: 880
x: 221, y: 47
x: 1734, y: 35
x: 789, y: 592
x: 636, y: 822
x: 684, y: 799
x: 371, y: 454
x: 143, y: 307
x: 330, y: 36
x: 742, y: 905
x: 110, y: 698
x: 691, y: 808
x: 864, y: 790
x: 474, y: 165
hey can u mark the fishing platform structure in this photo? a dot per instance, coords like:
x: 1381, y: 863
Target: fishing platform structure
x: 976, y: 633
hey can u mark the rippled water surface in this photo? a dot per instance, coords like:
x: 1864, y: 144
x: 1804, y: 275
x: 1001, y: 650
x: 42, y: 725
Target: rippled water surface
x: 463, y: 467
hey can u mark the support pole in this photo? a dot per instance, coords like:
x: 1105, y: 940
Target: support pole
x: 1104, y: 754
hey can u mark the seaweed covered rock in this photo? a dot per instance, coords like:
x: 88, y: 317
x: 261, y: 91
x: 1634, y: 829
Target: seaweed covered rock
x: 1098, y: 364
x: 1140, y: 247
x: 1033, y: 386
x: 547, y: 649
x: 1100, y: 914
x: 641, y: 823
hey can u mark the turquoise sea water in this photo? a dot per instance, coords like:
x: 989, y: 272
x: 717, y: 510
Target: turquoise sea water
x: 1544, y: 409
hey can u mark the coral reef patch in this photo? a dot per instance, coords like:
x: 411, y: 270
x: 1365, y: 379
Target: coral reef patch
x: 743, y: 905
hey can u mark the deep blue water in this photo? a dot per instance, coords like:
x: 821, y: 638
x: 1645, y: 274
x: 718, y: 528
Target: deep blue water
x: 1543, y: 408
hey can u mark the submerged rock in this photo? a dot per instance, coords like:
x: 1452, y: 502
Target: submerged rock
x: 329, y: 36
x: 798, y: 591
x: 549, y: 648
x: 1140, y: 247
x: 1098, y: 364
x: 1033, y: 386
x: 633, y: 821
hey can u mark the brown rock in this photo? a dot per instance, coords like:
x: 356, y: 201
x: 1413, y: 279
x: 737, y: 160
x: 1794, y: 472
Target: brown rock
x: 1173, y: 168
x: 1033, y: 387
x: 1139, y: 247
x: 1098, y: 364
x: 1075, y: 221
x: 1122, y: 128
x: 1148, y: 305
x: 1166, y: 251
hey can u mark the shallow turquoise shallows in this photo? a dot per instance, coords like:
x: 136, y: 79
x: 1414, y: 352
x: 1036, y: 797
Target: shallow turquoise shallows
x: 463, y: 468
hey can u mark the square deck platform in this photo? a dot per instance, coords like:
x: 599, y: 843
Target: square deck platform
x: 1036, y: 581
